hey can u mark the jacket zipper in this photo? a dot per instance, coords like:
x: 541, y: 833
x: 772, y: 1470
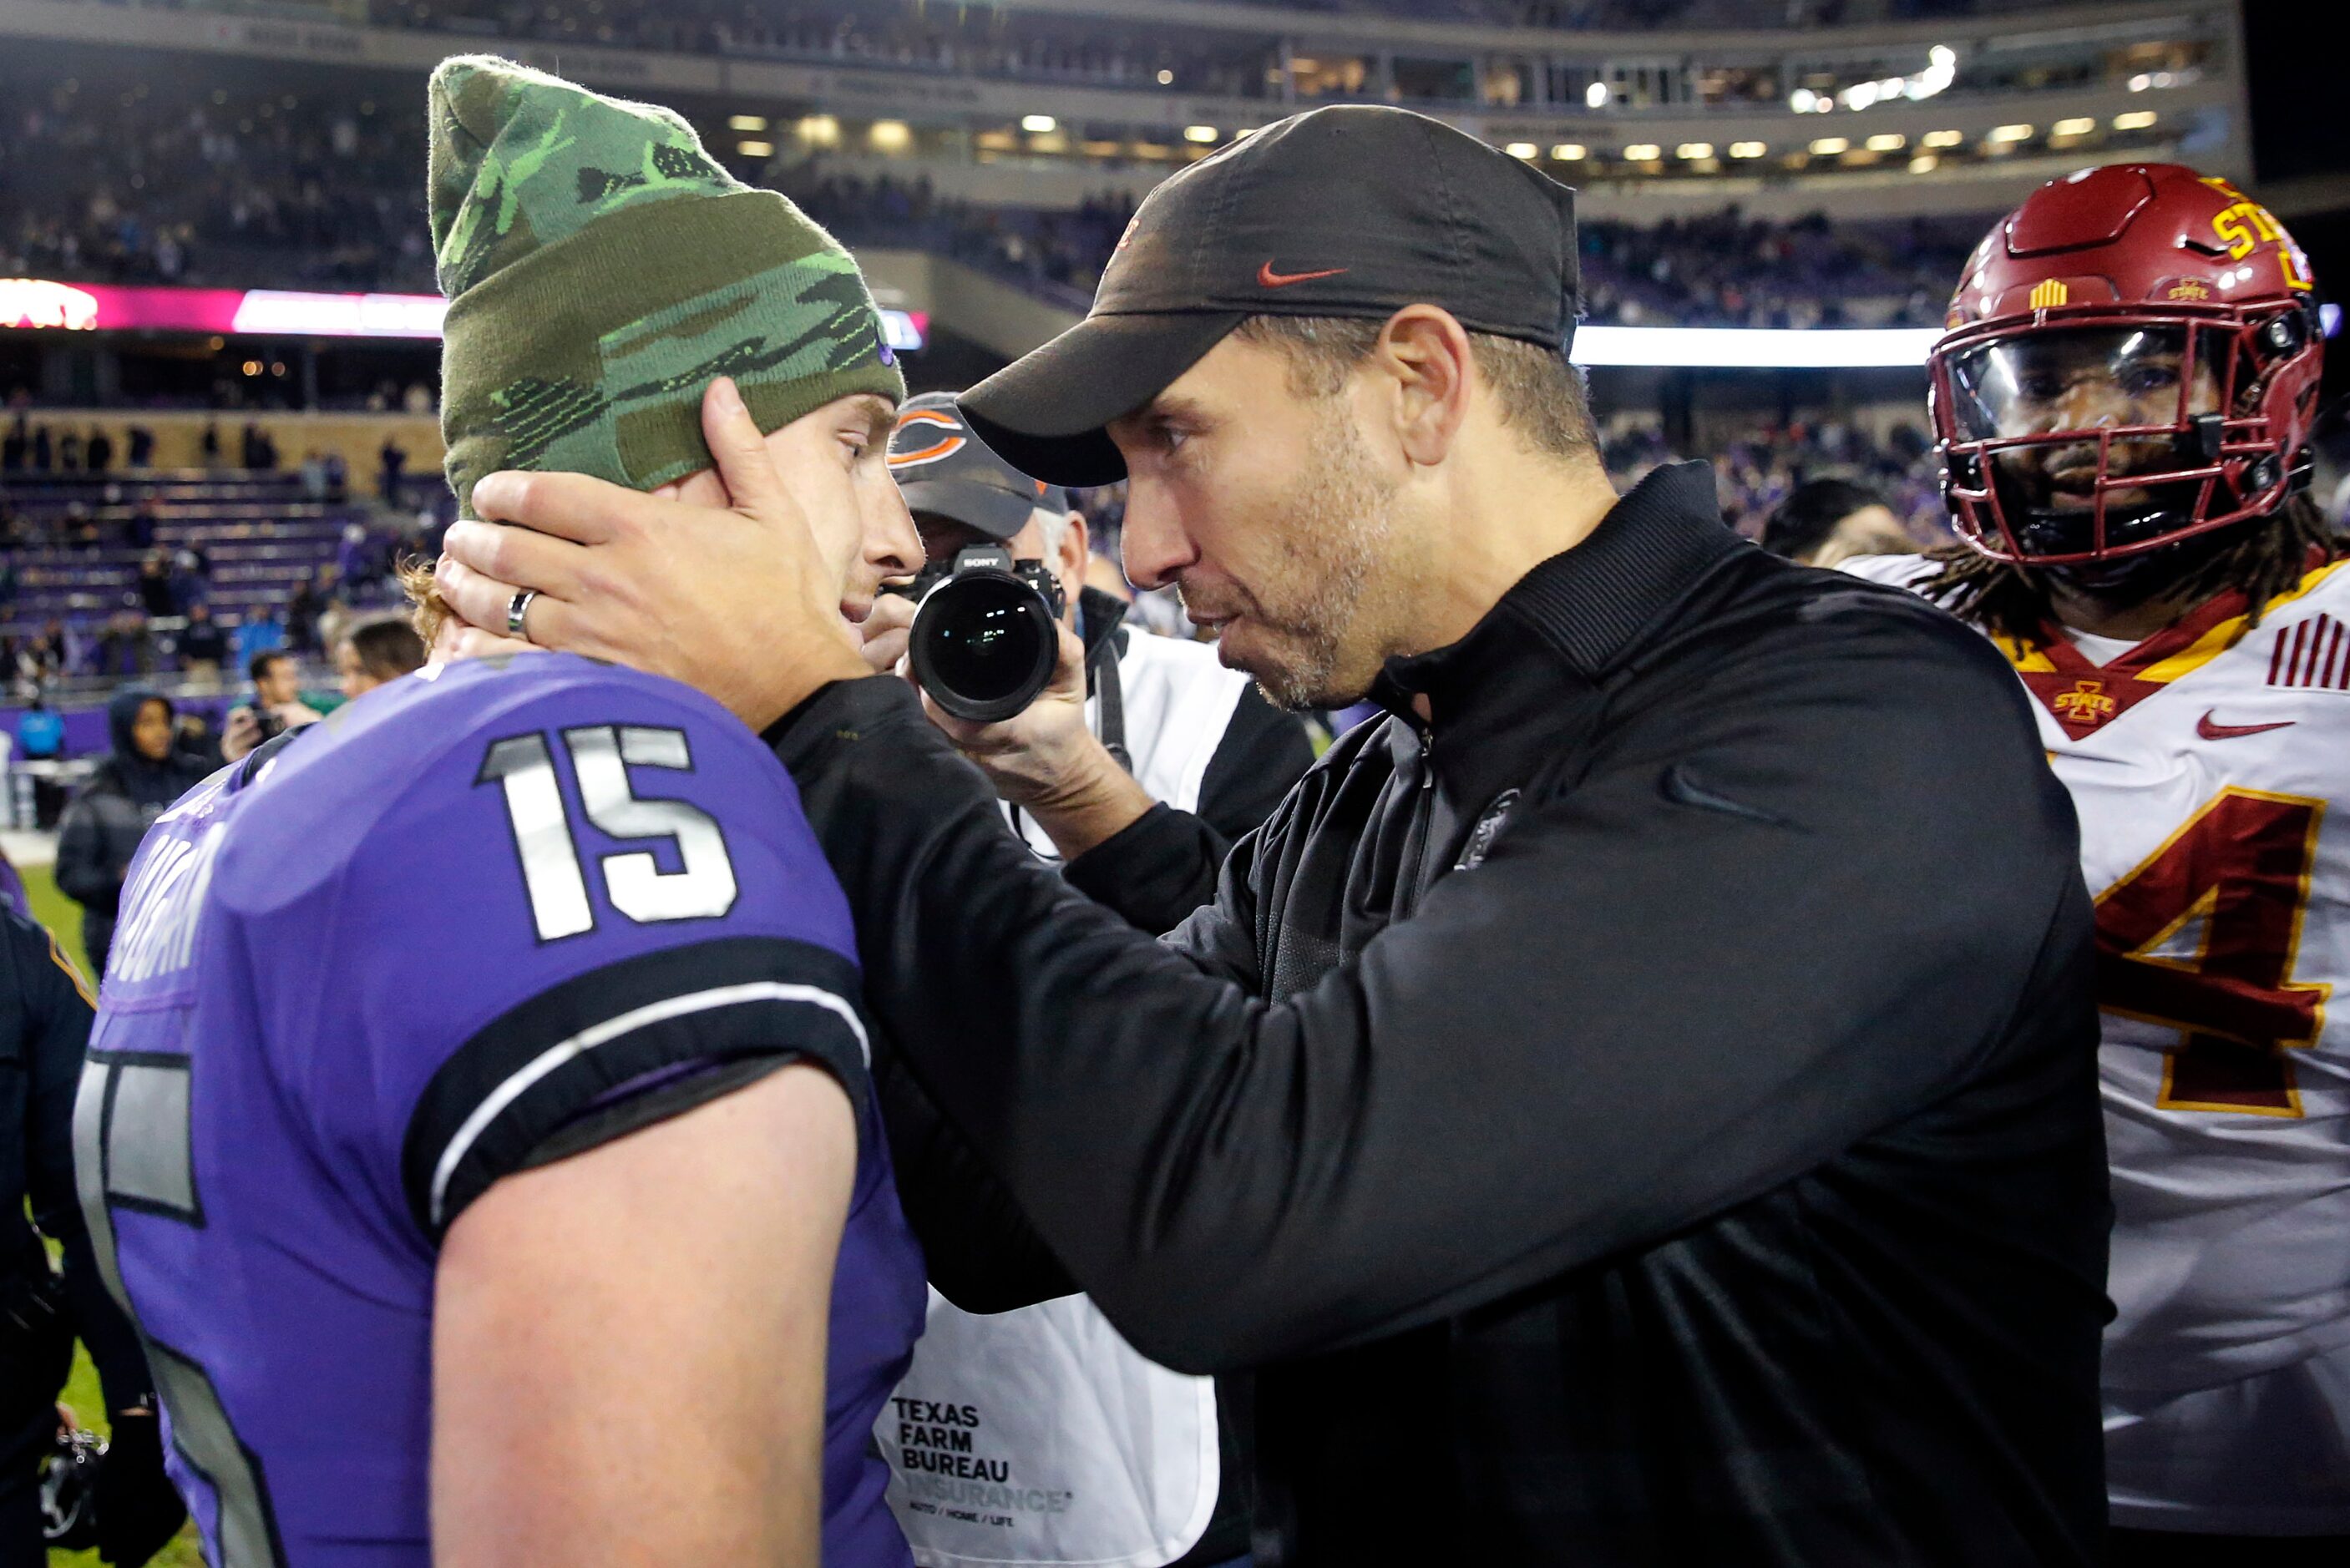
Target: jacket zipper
x: 1422, y: 807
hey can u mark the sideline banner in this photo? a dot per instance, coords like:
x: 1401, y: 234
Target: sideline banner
x: 39, y: 304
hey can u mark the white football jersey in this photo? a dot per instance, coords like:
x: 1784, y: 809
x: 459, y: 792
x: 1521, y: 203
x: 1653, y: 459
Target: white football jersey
x: 2205, y: 762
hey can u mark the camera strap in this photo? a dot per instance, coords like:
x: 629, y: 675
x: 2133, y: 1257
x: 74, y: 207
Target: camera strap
x: 1109, y: 725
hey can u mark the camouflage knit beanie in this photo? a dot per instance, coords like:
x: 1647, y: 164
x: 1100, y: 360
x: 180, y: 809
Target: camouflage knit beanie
x: 602, y: 269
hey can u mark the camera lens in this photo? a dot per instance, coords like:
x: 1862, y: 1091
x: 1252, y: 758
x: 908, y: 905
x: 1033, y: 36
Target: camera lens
x: 983, y: 646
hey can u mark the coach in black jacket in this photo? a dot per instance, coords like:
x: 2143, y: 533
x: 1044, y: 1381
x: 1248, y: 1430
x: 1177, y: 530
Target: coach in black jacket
x: 1634, y: 1106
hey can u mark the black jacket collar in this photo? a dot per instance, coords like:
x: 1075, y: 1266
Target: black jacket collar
x: 1585, y: 606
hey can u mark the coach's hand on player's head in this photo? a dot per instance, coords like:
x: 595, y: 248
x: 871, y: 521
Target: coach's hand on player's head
x: 724, y: 587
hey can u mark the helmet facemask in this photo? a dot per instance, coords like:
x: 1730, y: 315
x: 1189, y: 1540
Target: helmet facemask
x: 2111, y: 435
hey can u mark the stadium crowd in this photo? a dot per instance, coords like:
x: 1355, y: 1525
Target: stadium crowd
x: 201, y: 185
x: 985, y: 41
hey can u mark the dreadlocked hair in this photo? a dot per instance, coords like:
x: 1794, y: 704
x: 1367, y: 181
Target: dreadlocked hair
x: 2261, y: 560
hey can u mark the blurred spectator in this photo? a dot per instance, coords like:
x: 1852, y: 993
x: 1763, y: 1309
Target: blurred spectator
x: 43, y: 457
x: 99, y: 454
x: 155, y: 595
x: 376, y: 652
x: 142, y: 446
x: 1830, y: 520
x: 209, y: 444
x: 42, y: 657
x: 16, y: 446
x: 393, y: 459
x: 69, y: 452
x: 192, y: 571
x: 124, y: 648
x: 276, y: 706
x: 40, y: 731
x: 145, y: 513
x: 203, y: 649
x: 111, y: 813
x: 302, y: 613
x: 256, y: 451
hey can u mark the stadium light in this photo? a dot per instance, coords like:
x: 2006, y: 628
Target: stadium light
x: 1643, y: 152
x: 2080, y: 127
x: 1749, y: 149
x: 1166, y: 79
x: 1829, y: 146
x: 2009, y: 133
x: 1039, y: 124
x: 2140, y: 82
x: 1596, y: 95
x: 1198, y: 133
x: 1924, y: 163
x: 1569, y: 151
x: 755, y: 149
x: 1941, y: 138
x: 1522, y: 150
x: 1887, y: 142
x: 1694, y: 151
x: 2137, y: 120
x: 891, y: 135
x: 1803, y: 101
x: 753, y: 123
x: 1753, y: 347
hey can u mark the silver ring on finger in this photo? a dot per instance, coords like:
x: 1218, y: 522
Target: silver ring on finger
x: 517, y: 609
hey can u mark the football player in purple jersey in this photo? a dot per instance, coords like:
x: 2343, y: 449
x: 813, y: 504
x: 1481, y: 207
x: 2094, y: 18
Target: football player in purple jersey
x: 478, y: 1122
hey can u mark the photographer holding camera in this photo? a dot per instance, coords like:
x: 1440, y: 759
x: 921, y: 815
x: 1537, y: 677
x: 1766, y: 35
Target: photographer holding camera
x: 1126, y: 721
x: 276, y: 706
x: 1098, y: 724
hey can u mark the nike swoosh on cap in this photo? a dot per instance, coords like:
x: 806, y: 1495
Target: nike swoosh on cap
x: 2211, y: 731
x: 1271, y: 279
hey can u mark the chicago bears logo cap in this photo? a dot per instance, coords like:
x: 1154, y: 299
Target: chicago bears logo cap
x: 943, y: 469
x: 1351, y: 210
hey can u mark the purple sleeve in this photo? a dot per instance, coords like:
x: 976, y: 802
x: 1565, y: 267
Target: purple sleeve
x: 603, y: 884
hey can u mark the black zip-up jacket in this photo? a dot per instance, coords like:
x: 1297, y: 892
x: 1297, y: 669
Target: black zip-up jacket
x: 44, y: 1019
x: 1647, y: 1116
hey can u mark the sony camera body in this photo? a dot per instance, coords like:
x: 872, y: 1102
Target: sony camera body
x: 987, y: 634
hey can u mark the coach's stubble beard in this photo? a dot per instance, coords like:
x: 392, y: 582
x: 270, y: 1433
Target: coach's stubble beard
x: 1314, y: 631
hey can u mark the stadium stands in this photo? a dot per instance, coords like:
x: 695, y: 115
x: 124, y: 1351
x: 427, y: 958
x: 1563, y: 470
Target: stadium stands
x: 247, y: 545
x: 177, y: 142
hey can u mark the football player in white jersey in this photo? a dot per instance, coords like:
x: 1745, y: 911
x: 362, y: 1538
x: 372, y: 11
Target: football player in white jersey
x: 2123, y: 400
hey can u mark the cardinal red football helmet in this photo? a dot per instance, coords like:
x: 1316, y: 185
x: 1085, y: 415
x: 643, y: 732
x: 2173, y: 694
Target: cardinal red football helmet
x: 2131, y: 360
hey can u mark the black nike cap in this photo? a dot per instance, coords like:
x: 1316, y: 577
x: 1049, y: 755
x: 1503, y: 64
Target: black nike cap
x: 942, y: 468
x: 1351, y: 210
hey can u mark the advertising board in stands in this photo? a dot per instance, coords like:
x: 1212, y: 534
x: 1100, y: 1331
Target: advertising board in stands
x: 39, y: 303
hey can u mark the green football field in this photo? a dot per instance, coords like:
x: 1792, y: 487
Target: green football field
x: 63, y: 916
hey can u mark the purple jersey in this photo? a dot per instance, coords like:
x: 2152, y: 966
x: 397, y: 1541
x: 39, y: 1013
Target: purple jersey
x: 468, y: 925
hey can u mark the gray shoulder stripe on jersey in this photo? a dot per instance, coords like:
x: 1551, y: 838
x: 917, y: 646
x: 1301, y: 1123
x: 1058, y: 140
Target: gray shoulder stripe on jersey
x: 612, y: 1028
